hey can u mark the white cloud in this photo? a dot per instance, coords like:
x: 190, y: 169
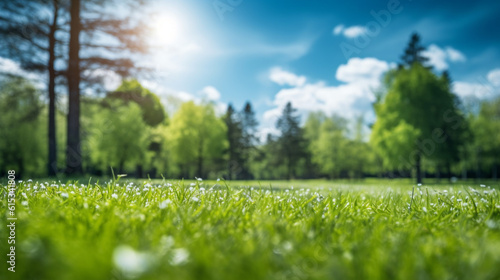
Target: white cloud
x: 172, y: 99
x: 349, y: 32
x: 109, y: 79
x: 494, y: 77
x: 338, y: 29
x: 353, y: 97
x: 9, y: 66
x: 455, y: 55
x: 282, y: 77
x: 478, y: 90
x: 439, y: 57
x: 366, y: 70
x: 211, y: 93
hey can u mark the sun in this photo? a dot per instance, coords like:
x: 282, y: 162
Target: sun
x: 167, y: 29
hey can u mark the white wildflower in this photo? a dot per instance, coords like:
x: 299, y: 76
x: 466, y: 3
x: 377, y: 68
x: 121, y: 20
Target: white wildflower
x: 115, y: 196
x: 129, y: 261
x: 194, y: 198
x: 164, y: 204
x: 65, y: 195
x: 179, y: 256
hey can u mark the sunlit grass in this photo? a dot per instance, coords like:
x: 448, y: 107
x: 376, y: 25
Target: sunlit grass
x: 251, y: 230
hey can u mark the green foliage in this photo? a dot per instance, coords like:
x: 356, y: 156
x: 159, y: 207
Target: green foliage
x: 292, y: 145
x: 131, y: 90
x: 235, y: 142
x: 171, y: 230
x: 334, y: 151
x: 417, y: 117
x: 486, y: 128
x: 23, y: 139
x: 119, y: 137
x: 196, y: 137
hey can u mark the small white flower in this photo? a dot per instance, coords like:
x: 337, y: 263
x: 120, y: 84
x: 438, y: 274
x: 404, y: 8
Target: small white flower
x: 425, y: 209
x: 129, y: 261
x: 194, y: 198
x: 65, y: 195
x: 24, y: 203
x: 164, y: 204
x: 115, y: 196
x: 192, y: 185
x: 218, y: 179
x: 482, y: 186
x: 179, y: 256
x: 419, y: 185
x: 199, y: 179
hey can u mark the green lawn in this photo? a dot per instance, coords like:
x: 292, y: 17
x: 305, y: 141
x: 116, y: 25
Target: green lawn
x: 247, y: 230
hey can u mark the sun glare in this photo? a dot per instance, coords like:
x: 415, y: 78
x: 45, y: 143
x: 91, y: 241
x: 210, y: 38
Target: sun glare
x: 167, y: 29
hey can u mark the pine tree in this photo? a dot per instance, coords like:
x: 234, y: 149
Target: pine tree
x: 94, y: 19
x: 30, y: 34
x: 413, y: 52
x: 292, y: 144
x: 234, y: 137
x: 249, y: 139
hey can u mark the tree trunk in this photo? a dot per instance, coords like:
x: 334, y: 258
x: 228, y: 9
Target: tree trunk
x: 73, y: 150
x: 139, y: 171
x: 448, y: 170
x: 52, y: 163
x: 121, y: 165
x: 438, y: 173
x: 200, y: 160
x: 495, y: 169
x: 418, y: 166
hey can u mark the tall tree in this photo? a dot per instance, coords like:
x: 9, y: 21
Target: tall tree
x: 413, y: 52
x: 234, y: 137
x: 486, y: 127
x: 108, y: 42
x: 30, y: 34
x: 73, y: 149
x: 415, y: 120
x: 292, y: 144
x: 249, y: 138
x: 119, y: 136
x: 197, y: 137
x: 20, y: 145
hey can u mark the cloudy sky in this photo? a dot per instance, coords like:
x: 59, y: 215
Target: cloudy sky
x: 320, y: 55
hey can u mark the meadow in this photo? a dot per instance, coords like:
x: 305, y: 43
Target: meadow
x: 163, y: 229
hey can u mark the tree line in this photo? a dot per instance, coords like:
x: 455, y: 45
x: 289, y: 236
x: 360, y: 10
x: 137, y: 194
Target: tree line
x: 421, y: 128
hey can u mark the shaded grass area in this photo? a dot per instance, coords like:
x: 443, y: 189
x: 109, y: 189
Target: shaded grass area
x: 158, y: 229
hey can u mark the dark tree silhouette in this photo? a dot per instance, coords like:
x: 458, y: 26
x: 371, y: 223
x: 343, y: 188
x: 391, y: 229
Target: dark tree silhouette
x: 29, y: 33
x: 292, y: 145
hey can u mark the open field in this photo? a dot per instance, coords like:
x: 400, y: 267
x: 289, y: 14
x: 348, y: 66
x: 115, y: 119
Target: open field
x: 246, y: 230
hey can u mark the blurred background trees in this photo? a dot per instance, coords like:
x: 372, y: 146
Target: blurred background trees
x: 421, y: 129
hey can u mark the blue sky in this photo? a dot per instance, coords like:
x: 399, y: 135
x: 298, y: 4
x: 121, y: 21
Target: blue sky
x: 270, y: 52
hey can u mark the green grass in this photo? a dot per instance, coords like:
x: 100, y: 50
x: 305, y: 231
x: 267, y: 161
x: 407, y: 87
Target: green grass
x: 207, y: 230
